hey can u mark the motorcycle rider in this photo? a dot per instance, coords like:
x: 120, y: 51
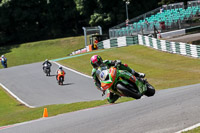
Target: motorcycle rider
x: 48, y: 64
x: 3, y: 61
x: 96, y: 62
x: 60, y: 70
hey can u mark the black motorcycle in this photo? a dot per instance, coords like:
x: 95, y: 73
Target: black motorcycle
x: 46, y: 69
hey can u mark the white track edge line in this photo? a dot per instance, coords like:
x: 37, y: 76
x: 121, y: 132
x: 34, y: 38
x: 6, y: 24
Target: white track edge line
x: 33, y: 106
x: 189, y: 128
x: 73, y: 70
x: 16, y: 96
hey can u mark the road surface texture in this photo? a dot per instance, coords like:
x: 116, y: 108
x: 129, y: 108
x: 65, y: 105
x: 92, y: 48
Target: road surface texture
x: 169, y: 111
x: 29, y: 83
x: 186, y: 38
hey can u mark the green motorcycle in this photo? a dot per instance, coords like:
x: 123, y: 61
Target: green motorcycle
x: 123, y: 83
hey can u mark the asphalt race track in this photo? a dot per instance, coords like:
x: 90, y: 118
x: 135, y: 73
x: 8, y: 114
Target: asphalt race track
x: 29, y: 84
x: 169, y: 111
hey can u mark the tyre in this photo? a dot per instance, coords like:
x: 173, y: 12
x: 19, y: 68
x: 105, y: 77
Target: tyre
x: 150, y: 90
x: 128, y: 93
x: 48, y: 72
x: 61, y: 80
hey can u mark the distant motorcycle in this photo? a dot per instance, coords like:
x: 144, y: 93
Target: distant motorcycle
x: 113, y: 80
x: 5, y: 65
x: 46, y: 69
x: 4, y: 62
x: 60, y: 77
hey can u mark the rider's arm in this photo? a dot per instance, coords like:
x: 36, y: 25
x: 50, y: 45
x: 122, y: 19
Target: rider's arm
x: 50, y: 63
x: 121, y: 66
x: 96, y: 80
x: 109, y: 63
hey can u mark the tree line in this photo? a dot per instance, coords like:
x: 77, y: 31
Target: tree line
x: 33, y: 20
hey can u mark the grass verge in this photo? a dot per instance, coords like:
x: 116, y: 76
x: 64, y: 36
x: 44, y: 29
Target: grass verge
x: 163, y: 70
x: 11, y: 111
x: 196, y: 130
x: 39, y: 51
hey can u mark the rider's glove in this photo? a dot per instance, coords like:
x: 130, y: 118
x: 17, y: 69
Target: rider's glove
x: 103, y: 93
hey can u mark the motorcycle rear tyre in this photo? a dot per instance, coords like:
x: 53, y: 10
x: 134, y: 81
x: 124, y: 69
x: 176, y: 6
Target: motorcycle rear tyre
x: 60, y: 82
x: 150, y: 90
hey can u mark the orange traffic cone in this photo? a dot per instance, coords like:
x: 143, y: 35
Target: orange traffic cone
x: 45, y: 113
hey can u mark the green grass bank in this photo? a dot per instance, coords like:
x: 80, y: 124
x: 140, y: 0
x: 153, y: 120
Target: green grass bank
x: 39, y: 51
x: 163, y: 70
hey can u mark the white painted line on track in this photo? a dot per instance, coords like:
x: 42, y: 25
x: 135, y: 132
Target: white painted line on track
x: 16, y: 96
x: 21, y: 101
x: 189, y: 128
x: 72, y: 70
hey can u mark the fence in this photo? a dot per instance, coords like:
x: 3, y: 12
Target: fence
x: 172, y: 47
x: 163, y: 45
x: 118, y: 42
x: 174, y: 17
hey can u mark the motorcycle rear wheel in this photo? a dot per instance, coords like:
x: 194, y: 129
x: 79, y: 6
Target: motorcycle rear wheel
x: 60, y: 82
x: 150, y: 90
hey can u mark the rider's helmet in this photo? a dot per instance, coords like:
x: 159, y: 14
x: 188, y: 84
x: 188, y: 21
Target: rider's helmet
x: 2, y: 56
x: 46, y: 60
x: 96, y: 61
x: 60, y: 67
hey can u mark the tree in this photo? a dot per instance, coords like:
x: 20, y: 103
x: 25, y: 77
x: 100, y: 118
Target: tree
x: 24, y: 21
x: 166, y: 2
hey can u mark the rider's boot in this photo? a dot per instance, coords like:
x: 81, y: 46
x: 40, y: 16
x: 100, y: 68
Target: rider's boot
x: 111, y: 97
x: 138, y: 74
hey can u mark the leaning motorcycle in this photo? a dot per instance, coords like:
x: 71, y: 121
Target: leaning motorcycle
x: 46, y: 69
x: 123, y: 83
x: 60, y: 77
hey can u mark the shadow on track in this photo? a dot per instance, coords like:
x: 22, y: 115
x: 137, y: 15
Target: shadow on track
x: 68, y: 84
x: 52, y: 75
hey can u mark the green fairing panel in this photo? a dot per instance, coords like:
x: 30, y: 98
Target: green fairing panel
x: 124, y: 74
x: 142, y: 87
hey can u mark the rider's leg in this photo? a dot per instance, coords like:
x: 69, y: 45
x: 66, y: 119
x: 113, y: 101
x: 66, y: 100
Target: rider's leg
x: 126, y: 67
x: 111, y: 97
x: 139, y: 74
x: 126, y: 75
x: 4, y: 66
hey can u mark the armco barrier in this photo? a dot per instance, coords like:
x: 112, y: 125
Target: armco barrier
x: 172, y: 47
x: 118, y: 42
x: 163, y: 45
x: 83, y: 50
